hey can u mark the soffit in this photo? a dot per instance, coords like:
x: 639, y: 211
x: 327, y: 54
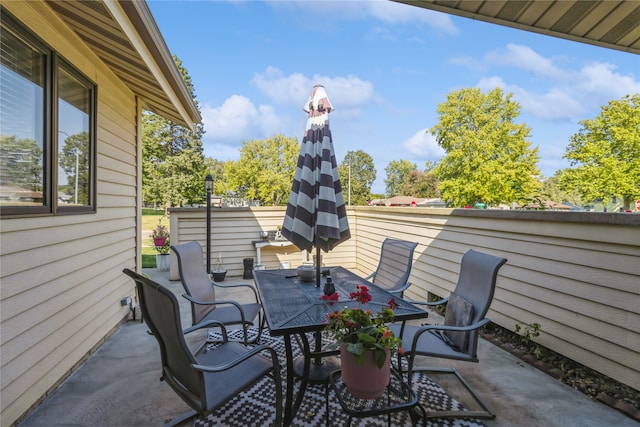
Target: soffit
x: 609, y: 23
x: 125, y: 36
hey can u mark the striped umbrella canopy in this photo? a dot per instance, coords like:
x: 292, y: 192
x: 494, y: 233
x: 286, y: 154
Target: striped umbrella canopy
x: 316, y: 214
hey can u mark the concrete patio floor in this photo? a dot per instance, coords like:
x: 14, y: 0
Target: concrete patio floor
x: 119, y: 385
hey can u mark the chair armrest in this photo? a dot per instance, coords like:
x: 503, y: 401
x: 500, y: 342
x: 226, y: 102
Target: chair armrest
x: 398, y: 292
x: 207, y: 324
x: 429, y: 303
x: 230, y: 364
x: 218, y: 302
x: 238, y: 285
x: 432, y: 327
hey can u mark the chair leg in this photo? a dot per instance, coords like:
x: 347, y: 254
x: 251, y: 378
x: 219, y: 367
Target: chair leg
x: 484, y: 413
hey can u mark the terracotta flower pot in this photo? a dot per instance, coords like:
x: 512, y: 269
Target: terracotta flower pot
x: 364, y: 381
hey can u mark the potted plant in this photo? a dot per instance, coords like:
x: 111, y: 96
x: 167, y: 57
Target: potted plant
x: 160, y: 235
x: 219, y: 272
x: 366, y: 343
x: 162, y: 257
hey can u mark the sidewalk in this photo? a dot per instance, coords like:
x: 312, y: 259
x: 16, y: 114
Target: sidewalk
x: 119, y: 386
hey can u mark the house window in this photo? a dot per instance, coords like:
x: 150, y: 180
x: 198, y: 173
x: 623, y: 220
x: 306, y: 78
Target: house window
x: 47, y: 148
x: 75, y: 101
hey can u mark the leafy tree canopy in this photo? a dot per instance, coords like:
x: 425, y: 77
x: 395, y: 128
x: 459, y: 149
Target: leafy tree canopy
x: 173, y: 167
x: 551, y: 190
x: 264, y: 171
x: 358, y: 168
x: 420, y: 184
x: 397, y: 171
x: 20, y: 163
x: 488, y: 157
x: 605, y: 154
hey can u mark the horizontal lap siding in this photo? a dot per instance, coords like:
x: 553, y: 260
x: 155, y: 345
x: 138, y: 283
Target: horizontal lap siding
x: 233, y: 231
x: 579, y: 280
x: 62, y: 275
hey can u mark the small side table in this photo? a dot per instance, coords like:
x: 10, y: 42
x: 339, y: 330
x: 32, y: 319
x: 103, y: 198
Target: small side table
x: 398, y: 396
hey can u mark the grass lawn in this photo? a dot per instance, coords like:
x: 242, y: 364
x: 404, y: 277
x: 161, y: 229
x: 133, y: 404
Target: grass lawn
x: 150, y: 219
x: 148, y: 257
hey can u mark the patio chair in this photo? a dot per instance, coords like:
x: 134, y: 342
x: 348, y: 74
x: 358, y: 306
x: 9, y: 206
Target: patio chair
x: 394, y: 267
x: 200, y: 291
x: 207, y: 378
x: 457, y: 338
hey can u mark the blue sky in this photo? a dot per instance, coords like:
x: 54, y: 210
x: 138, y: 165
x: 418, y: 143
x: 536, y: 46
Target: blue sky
x: 386, y: 67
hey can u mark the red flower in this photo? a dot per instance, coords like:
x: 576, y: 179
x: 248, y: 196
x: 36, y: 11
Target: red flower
x: 362, y: 295
x: 333, y: 298
x: 400, y: 351
x: 393, y: 304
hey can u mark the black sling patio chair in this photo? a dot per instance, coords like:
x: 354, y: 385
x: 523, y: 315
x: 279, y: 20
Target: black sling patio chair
x: 457, y: 338
x: 209, y: 377
x: 200, y: 290
x: 394, y: 267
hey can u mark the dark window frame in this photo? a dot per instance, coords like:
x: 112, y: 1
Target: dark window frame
x: 58, y: 63
x: 52, y: 62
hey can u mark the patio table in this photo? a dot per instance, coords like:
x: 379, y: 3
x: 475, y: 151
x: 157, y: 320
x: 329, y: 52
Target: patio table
x: 293, y: 307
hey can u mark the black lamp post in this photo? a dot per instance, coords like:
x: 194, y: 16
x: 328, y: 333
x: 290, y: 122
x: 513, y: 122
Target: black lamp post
x: 208, y: 185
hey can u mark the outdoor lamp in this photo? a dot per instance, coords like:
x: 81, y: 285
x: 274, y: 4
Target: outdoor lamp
x: 208, y: 185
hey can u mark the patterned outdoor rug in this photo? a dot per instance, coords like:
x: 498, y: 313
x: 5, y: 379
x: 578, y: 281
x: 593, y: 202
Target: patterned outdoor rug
x: 255, y: 406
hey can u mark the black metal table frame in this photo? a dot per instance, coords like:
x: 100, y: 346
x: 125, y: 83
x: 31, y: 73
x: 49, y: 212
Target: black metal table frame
x: 292, y: 307
x: 398, y: 396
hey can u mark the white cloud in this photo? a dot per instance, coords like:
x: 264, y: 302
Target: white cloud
x: 600, y: 79
x: 525, y: 58
x: 344, y: 92
x: 382, y: 10
x: 237, y: 119
x: 569, y: 94
x: 397, y: 13
x: 555, y: 104
x: 423, y: 145
x: 292, y: 90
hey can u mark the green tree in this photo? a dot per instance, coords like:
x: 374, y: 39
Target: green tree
x: 397, y: 171
x: 420, y: 184
x: 215, y: 168
x: 605, y: 154
x: 488, y: 158
x: 74, y: 160
x: 551, y: 191
x: 173, y: 167
x: 363, y: 174
x: 264, y: 171
x: 20, y: 163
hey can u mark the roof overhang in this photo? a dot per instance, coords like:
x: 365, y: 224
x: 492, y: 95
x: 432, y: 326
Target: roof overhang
x: 125, y: 36
x: 607, y: 23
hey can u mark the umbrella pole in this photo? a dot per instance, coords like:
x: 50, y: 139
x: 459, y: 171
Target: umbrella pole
x: 318, y: 262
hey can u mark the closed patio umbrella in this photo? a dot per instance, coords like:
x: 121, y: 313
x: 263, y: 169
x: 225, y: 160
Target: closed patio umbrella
x: 316, y: 214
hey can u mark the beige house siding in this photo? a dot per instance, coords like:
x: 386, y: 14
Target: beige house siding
x: 233, y: 231
x: 579, y: 279
x: 577, y: 274
x: 61, y: 275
